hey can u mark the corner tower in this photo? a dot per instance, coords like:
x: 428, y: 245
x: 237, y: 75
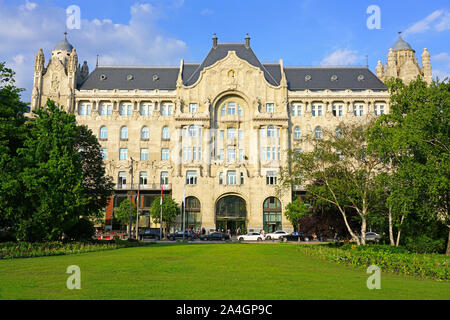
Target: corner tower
x: 60, y: 78
x: 401, y: 63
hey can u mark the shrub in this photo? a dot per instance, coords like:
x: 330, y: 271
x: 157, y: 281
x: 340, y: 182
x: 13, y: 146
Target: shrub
x: 425, y: 244
x: 81, y: 231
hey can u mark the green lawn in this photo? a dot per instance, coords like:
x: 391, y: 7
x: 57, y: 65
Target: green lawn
x: 204, y: 271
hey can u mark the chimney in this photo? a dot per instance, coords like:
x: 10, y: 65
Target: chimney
x: 247, y: 41
x: 214, y: 41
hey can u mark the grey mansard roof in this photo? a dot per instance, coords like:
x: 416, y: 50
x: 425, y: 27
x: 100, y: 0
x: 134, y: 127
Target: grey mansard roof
x: 298, y: 78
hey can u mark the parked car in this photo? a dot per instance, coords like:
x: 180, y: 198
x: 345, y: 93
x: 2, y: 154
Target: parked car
x: 252, y: 236
x: 215, y: 236
x: 372, y: 236
x: 296, y: 236
x: 188, y: 235
x: 276, y: 235
x: 150, y: 234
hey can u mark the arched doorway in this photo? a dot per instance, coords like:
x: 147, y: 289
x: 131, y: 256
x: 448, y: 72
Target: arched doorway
x: 231, y: 214
x: 193, y: 217
x: 272, y: 215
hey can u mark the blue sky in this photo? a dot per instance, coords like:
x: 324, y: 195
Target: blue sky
x: 161, y: 32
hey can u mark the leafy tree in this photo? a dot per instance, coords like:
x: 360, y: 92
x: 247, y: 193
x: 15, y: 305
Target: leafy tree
x: 170, y: 210
x: 12, y: 136
x: 339, y: 170
x: 414, y: 139
x: 296, y: 210
x: 81, y: 231
x: 122, y: 213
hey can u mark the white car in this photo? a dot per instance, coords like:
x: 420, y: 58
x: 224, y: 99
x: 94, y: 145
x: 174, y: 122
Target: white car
x: 276, y: 235
x: 252, y: 236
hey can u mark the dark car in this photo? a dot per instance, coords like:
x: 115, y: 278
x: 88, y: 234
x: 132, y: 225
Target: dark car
x: 215, y: 236
x: 188, y: 235
x: 150, y: 234
x: 296, y: 236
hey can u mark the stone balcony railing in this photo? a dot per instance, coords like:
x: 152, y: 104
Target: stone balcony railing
x: 144, y: 187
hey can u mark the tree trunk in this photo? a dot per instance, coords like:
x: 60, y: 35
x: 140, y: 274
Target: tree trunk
x: 349, y: 229
x: 363, y: 230
x: 391, y: 233
x: 399, y: 231
x: 447, y: 253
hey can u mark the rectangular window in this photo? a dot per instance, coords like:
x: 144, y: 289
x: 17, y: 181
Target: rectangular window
x: 193, y: 108
x: 122, y: 178
x: 241, y: 135
x: 231, y: 134
x: 313, y: 110
x: 270, y: 108
x: 221, y: 154
x: 232, y: 108
x: 165, y: 154
x: 191, y: 177
x: 144, y: 154
x: 143, y: 178
x: 319, y: 110
x: 221, y: 178
x: 231, y: 155
x: 271, y: 178
x: 123, y: 154
x: 242, y: 178
x: 194, y: 153
x: 164, y: 178
x: 129, y: 110
x: 263, y: 154
x: 231, y: 178
x: 222, y: 134
x: 241, y: 155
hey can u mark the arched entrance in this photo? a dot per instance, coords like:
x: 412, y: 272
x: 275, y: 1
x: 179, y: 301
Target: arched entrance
x: 193, y: 217
x: 231, y: 213
x: 272, y: 215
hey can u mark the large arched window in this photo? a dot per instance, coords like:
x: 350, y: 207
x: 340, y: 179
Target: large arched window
x: 166, y: 133
x: 272, y: 215
x: 193, y: 218
x: 318, y: 133
x: 124, y: 133
x: 297, y: 133
x: 145, y: 133
x: 103, y: 133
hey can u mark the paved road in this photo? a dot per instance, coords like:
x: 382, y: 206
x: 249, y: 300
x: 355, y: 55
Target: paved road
x: 235, y: 241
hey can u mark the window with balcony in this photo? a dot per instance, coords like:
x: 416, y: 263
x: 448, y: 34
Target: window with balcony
x: 166, y: 110
x: 296, y: 110
x: 84, y: 109
x: 358, y: 110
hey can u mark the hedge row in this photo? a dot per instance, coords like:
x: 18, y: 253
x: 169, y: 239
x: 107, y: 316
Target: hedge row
x: 13, y: 250
x: 387, y: 258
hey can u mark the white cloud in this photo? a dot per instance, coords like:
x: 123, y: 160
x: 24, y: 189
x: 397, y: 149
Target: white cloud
x: 27, y: 27
x: 438, y: 20
x: 440, y: 74
x: 341, y: 57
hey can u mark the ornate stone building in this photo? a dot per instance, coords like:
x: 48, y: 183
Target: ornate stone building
x: 220, y: 129
x: 402, y: 63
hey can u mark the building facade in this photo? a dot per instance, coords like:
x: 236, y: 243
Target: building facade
x: 217, y: 132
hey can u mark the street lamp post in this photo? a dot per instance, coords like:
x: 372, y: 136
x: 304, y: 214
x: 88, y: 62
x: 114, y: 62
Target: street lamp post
x: 131, y: 199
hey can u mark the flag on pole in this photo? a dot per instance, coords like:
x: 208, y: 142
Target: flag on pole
x: 162, y: 188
